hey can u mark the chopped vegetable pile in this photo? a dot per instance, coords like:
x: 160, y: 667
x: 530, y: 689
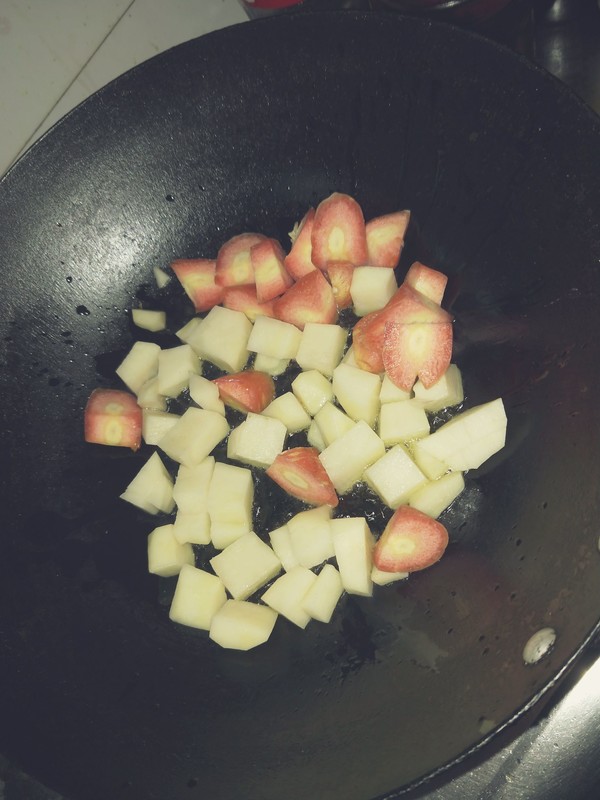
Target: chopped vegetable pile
x: 362, y: 400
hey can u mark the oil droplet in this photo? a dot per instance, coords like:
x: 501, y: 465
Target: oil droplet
x: 69, y: 279
x: 539, y: 645
x: 83, y: 311
x: 170, y: 198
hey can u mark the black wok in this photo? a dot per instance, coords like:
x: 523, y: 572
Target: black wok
x: 101, y: 696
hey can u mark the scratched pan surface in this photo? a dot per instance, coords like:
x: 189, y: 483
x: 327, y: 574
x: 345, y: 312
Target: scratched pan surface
x: 242, y: 130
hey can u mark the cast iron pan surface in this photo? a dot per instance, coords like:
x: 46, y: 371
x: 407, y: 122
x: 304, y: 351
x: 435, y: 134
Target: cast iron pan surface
x: 101, y: 696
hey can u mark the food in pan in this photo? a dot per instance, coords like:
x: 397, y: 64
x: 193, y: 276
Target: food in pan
x: 372, y: 366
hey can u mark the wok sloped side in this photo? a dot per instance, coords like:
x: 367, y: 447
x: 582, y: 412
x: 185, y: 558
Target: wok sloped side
x: 243, y: 130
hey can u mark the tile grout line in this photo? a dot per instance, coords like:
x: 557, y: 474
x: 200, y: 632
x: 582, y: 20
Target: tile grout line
x: 34, y: 135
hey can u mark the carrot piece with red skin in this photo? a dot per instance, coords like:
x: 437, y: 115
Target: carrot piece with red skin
x: 411, y: 541
x: 428, y: 281
x: 298, y: 261
x: 339, y: 232
x: 244, y: 299
x: 385, y: 238
x: 300, y: 472
x: 113, y: 417
x: 270, y: 274
x: 234, y: 265
x: 197, y: 276
x: 340, y: 277
x: 310, y: 299
x: 247, y: 391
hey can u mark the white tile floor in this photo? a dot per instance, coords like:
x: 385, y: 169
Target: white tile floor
x: 55, y: 53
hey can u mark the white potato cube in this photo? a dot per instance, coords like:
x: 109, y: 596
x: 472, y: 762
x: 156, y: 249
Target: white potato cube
x: 435, y: 496
x: 371, y: 288
x: 290, y: 411
x: 224, y: 533
x: 222, y: 338
x: 310, y: 536
x: 193, y: 527
x: 230, y: 494
x: 190, y: 491
x: 195, y: 436
x: 161, y: 277
x: 257, y: 441
x: 206, y: 394
x: 166, y: 556
x: 175, y: 366
x: 139, y: 365
x: 332, y: 423
x: 349, y: 358
x: 353, y: 543
x: 429, y: 465
x: 185, y: 334
x: 240, y: 625
x: 448, y: 391
x: 274, y: 338
x: 270, y: 365
x: 313, y: 390
x: 323, y: 596
x: 155, y: 424
x: 149, y: 397
x: 390, y: 393
x: 288, y: 592
x: 357, y: 391
x: 347, y: 458
x: 321, y: 347
x: 402, y: 421
x: 468, y: 439
x: 394, y: 477
x: 149, y: 320
x: 152, y: 488
x: 197, y: 598
x: 315, y: 437
x: 382, y: 578
x: 246, y: 565
x: 282, y: 545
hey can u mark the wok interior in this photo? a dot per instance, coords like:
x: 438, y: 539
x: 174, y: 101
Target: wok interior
x: 169, y: 162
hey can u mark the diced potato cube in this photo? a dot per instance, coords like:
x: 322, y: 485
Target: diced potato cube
x: 195, y: 436
x: 290, y: 411
x: 448, y: 391
x: 152, y: 488
x: 313, y: 390
x: 190, y: 491
x: 246, y: 565
x: 288, y: 592
x: 310, y: 536
x: 357, y: 391
x: 166, y: 556
x: 429, y: 465
x: 332, y: 423
x: 155, y: 424
x: 224, y: 533
x: 382, y: 578
x: 349, y: 358
x: 197, y: 598
x: 257, y: 441
x: 371, y: 288
x: 240, y: 625
x: 272, y: 366
x: 394, y: 477
x: 435, y: 496
x: 161, y: 277
x: 193, y: 527
x: 323, y: 596
x: 390, y: 393
x: 149, y: 320
x: 315, y: 437
x: 274, y: 338
x: 222, y: 338
x: 401, y: 421
x: 184, y: 334
x: 347, y: 458
x: 149, y: 396
x: 353, y: 543
x: 230, y: 494
x: 282, y: 545
x: 139, y: 365
x: 321, y: 347
x: 206, y: 394
x: 175, y: 366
